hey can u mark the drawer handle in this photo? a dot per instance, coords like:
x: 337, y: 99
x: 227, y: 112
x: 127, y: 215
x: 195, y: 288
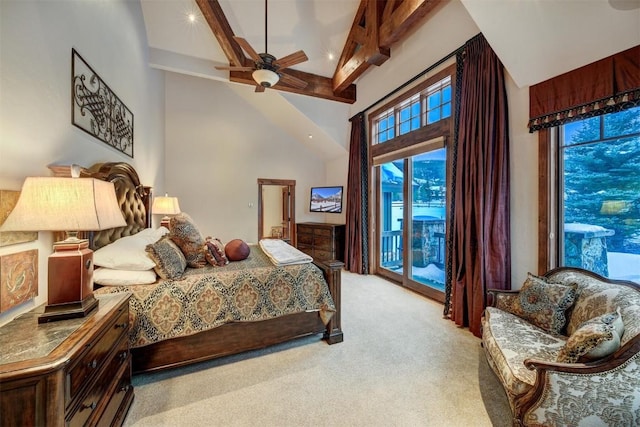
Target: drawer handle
x: 91, y: 406
x: 93, y: 364
x: 124, y: 388
x: 123, y: 355
x: 122, y: 325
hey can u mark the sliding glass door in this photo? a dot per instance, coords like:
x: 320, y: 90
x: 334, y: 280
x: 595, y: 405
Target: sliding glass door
x: 412, y: 212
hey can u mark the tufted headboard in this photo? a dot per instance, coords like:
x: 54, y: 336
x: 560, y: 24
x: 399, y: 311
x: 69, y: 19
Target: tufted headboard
x: 132, y: 196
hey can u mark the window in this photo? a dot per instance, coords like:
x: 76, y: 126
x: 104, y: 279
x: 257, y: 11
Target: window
x: 598, y: 194
x: 421, y: 109
x: 408, y: 153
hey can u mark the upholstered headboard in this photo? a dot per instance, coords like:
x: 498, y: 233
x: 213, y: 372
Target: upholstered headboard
x: 132, y: 196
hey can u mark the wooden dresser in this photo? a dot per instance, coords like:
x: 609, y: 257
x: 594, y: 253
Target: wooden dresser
x: 71, y: 372
x: 320, y: 240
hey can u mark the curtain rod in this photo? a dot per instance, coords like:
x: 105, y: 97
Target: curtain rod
x: 413, y: 79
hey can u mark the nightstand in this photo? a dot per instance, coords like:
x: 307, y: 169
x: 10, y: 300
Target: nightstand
x: 71, y: 372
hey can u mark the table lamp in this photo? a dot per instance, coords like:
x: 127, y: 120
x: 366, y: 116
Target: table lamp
x: 71, y: 205
x: 165, y: 206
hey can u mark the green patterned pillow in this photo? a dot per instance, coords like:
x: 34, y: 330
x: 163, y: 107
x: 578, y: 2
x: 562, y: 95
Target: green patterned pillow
x: 544, y: 303
x: 169, y: 259
x: 593, y: 337
x: 184, y: 233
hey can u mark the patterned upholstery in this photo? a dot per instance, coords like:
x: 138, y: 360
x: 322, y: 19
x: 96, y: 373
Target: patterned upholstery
x: 604, y: 392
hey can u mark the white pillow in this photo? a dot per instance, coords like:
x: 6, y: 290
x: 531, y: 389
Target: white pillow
x: 128, y: 253
x: 111, y: 277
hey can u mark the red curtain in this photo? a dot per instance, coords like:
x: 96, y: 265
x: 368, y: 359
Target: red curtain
x: 609, y: 85
x: 356, y: 250
x: 480, y: 250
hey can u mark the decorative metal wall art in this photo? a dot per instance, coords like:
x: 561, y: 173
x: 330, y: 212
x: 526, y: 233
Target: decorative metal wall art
x: 97, y: 110
x: 18, y: 278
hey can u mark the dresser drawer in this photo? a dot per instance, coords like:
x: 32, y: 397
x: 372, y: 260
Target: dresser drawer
x: 92, y: 400
x: 323, y: 232
x: 305, y: 239
x: 121, y: 399
x: 93, y: 359
x: 323, y: 255
x: 325, y: 243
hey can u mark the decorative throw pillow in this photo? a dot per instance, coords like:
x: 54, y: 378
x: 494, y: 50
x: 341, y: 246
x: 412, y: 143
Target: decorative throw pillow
x: 237, y: 250
x: 214, y: 252
x: 169, y: 259
x: 607, y: 347
x: 544, y: 303
x: 586, y: 338
x: 184, y: 233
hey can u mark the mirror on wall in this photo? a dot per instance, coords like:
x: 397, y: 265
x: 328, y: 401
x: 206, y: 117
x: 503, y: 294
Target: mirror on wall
x: 276, y: 209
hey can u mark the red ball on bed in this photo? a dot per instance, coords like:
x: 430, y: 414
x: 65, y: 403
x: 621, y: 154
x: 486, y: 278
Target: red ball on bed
x: 236, y: 250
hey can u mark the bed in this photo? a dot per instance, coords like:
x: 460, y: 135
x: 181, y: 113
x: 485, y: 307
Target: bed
x: 179, y: 322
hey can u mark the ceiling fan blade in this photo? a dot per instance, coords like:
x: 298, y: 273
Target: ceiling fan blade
x: 247, y: 48
x: 290, y: 60
x: 232, y: 68
x: 292, y: 81
x: 260, y: 88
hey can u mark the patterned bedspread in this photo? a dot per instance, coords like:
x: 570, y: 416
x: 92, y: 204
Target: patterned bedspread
x: 243, y: 291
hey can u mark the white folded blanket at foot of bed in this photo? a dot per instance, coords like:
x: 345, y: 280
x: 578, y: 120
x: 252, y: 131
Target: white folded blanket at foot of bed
x: 282, y: 253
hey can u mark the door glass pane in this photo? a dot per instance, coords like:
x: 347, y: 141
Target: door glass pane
x: 428, y: 209
x: 601, y: 194
x: 391, y: 211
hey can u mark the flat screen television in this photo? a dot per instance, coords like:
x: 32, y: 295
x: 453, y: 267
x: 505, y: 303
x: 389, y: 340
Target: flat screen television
x: 326, y: 199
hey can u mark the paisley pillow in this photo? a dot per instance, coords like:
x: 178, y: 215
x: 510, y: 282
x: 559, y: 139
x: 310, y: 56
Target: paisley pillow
x: 169, y: 259
x: 184, y: 233
x: 544, y: 303
x: 592, y: 335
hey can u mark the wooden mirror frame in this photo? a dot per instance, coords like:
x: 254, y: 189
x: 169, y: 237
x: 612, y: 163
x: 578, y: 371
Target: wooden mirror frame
x: 291, y: 183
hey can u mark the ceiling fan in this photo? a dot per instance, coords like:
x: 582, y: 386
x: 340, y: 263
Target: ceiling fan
x: 267, y: 69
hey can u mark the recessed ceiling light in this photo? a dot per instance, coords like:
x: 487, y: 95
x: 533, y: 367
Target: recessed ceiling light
x: 191, y: 17
x: 330, y: 55
x: 310, y: 136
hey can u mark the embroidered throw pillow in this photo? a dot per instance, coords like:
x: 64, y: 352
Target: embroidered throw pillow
x: 544, y: 303
x: 587, y: 338
x: 214, y: 252
x: 169, y: 259
x: 184, y: 233
x: 607, y: 347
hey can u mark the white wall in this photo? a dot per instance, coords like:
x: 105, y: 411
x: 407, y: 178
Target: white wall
x: 217, y: 147
x: 36, y: 38
x: 443, y: 32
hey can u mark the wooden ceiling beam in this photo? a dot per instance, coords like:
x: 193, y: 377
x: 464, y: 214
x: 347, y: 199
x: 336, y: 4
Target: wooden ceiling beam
x: 221, y: 29
x: 406, y: 16
x: 317, y: 86
x: 359, y: 54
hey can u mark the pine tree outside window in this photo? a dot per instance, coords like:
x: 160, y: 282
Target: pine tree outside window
x: 599, y: 194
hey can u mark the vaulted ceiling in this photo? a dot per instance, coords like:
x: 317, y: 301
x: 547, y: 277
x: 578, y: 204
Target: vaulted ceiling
x: 534, y: 39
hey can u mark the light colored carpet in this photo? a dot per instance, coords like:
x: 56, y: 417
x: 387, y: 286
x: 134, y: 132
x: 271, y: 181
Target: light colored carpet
x: 401, y: 364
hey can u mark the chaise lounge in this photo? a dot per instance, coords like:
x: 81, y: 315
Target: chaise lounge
x: 570, y: 315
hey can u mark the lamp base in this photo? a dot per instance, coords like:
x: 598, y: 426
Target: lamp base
x: 68, y: 311
x: 70, y: 291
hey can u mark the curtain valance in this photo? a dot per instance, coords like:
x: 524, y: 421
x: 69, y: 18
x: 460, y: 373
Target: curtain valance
x: 609, y: 85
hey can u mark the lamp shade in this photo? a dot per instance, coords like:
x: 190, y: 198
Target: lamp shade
x: 165, y: 206
x: 266, y: 78
x: 65, y: 204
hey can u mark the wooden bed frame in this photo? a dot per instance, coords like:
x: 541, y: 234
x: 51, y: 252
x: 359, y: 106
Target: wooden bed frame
x: 225, y: 340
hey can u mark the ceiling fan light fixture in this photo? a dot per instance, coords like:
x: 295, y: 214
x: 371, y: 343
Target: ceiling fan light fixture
x: 266, y: 78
